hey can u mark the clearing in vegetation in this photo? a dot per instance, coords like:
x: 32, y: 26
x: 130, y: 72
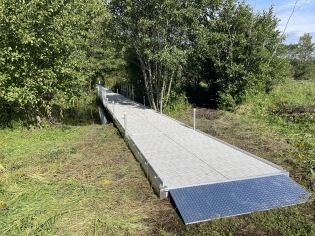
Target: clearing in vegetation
x: 83, y: 180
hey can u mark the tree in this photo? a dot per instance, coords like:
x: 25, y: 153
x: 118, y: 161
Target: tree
x: 301, y: 56
x: 237, y: 50
x: 157, y: 32
x: 305, y: 48
x: 48, y: 55
x: 222, y: 45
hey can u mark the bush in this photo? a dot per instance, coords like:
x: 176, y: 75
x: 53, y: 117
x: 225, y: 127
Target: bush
x: 226, y: 102
x: 176, y: 104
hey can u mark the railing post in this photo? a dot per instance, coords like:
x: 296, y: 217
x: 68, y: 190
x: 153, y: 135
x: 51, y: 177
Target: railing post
x: 161, y: 107
x: 133, y: 94
x: 98, y: 88
x: 194, y: 118
x: 144, y: 101
x: 113, y: 109
x: 117, y: 91
x: 125, y: 121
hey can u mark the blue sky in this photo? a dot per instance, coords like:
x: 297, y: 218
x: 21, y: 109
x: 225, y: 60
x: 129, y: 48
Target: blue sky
x: 302, y: 20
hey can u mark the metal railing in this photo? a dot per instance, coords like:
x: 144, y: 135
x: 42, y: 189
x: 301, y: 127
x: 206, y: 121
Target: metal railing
x: 128, y: 91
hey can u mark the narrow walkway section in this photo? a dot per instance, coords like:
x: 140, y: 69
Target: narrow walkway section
x: 186, y: 163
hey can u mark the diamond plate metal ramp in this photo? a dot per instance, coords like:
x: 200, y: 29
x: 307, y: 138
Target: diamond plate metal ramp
x: 207, y: 202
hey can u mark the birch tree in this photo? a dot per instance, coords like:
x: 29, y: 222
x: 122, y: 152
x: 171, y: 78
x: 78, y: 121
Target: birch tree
x: 157, y: 31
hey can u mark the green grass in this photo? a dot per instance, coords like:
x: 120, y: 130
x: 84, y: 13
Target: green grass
x: 74, y: 181
x: 298, y: 129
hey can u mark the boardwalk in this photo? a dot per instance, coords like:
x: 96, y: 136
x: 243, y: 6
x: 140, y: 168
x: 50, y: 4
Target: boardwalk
x: 175, y: 156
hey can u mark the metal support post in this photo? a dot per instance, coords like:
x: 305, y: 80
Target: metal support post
x: 125, y: 121
x: 117, y: 91
x: 133, y: 95
x: 144, y: 101
x: 194, y: 118
x: 161, y: 107
x: 113, y: 109
x: 98, y: 88
x: 130, y: 95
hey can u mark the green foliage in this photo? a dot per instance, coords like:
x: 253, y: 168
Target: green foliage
x: 177, y: 104
x: 222, y: 44
x: 302, y: 58
x: 298, y: 129
x: 52, y: 52
x: 156, y: 33
x: 226, y: 101
x: 236, y: 50
x: 306, y: 153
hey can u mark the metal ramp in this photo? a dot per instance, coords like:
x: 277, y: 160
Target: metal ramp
x: 207, y: 202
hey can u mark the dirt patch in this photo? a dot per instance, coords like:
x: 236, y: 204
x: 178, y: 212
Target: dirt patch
x: 205, y: 113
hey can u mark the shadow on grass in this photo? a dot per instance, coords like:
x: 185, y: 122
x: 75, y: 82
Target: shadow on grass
x: 81, y: 116
x: 81, y: 113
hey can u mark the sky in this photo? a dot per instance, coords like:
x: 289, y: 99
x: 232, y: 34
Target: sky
x: 302, y: 21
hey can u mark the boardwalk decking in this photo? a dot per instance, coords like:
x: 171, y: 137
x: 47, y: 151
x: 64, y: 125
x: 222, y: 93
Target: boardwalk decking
x: 174, y: 155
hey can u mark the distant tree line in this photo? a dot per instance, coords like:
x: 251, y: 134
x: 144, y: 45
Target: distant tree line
x: 302, y: 58
x: 52, y: 52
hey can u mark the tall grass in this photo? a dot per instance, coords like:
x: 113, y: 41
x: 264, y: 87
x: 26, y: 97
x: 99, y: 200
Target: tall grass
x: 297, y: 128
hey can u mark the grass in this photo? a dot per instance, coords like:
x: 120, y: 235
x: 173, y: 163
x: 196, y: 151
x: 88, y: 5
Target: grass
x: 260, y: 139
x: 83, y: 180
x: 286, y: 142
x: 75, y: 181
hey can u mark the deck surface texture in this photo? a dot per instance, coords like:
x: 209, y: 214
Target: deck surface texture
x: 180, y: 155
